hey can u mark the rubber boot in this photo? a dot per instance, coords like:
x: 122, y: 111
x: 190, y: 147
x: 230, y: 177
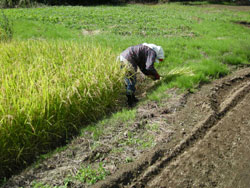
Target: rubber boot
x: 130, y: 100
x: 135, y: 100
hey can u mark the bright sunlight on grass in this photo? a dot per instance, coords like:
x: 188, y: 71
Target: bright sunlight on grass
x: 59, y: 71
x: 48, y: 89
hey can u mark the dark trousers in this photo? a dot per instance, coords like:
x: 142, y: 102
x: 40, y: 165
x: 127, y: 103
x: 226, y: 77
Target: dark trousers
x: 130, y: 82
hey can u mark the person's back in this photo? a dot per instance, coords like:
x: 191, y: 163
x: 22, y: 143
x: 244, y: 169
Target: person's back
x: 143, y: 56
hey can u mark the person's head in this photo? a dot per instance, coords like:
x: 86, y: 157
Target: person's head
x: 159, y: 51
x: 159, y: 54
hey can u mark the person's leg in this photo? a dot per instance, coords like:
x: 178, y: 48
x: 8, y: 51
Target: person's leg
x: 130, y: 82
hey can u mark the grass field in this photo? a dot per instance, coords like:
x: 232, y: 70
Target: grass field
x: 59, y: 70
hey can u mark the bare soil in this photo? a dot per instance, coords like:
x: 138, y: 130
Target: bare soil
x: 211, y: 147
x: 197, y: 139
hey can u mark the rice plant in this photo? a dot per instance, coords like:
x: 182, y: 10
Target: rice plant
x: 48, y: 90
x: 180, y: 71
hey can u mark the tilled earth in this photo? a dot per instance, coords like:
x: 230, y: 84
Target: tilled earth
x: 215, y: 151
x: 186, y: 140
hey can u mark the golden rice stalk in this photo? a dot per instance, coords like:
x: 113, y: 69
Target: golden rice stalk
x: 181, y: 71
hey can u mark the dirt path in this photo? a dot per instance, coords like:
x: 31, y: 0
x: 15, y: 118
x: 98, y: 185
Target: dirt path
x: 216, y: 151
x: 192, y: 140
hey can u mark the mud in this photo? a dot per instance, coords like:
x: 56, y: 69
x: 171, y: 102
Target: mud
x: 197, y: 139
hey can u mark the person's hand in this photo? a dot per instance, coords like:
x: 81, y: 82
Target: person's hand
x: 157, y: 77
x: 152, y: 77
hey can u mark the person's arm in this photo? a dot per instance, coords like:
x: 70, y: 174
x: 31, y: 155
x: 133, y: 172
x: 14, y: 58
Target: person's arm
x: 150, y: 71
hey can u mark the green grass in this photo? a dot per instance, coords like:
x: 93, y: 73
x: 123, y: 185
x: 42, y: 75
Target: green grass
x: 125, y: 116
x: 54, y: 78
x: 33, y: 29
x: 90, y: 175
x: 6, y: 28
x: 43, y: 185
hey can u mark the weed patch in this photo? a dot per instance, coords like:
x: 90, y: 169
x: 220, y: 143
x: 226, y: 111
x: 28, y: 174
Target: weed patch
x: 91, y: 176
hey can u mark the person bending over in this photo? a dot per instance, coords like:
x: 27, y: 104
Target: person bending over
x: 143, y: 56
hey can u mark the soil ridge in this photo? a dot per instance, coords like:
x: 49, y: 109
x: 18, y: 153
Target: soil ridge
x: 223, y: 99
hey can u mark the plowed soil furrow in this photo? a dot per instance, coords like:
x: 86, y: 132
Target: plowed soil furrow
x: 198, y: 134
x: 221, y: 159
x: 163, y: 166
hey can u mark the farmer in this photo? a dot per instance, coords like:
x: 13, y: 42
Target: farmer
x: 143, y: 56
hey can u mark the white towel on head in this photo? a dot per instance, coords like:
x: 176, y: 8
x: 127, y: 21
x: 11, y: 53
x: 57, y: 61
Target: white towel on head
x: 158, y: 49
